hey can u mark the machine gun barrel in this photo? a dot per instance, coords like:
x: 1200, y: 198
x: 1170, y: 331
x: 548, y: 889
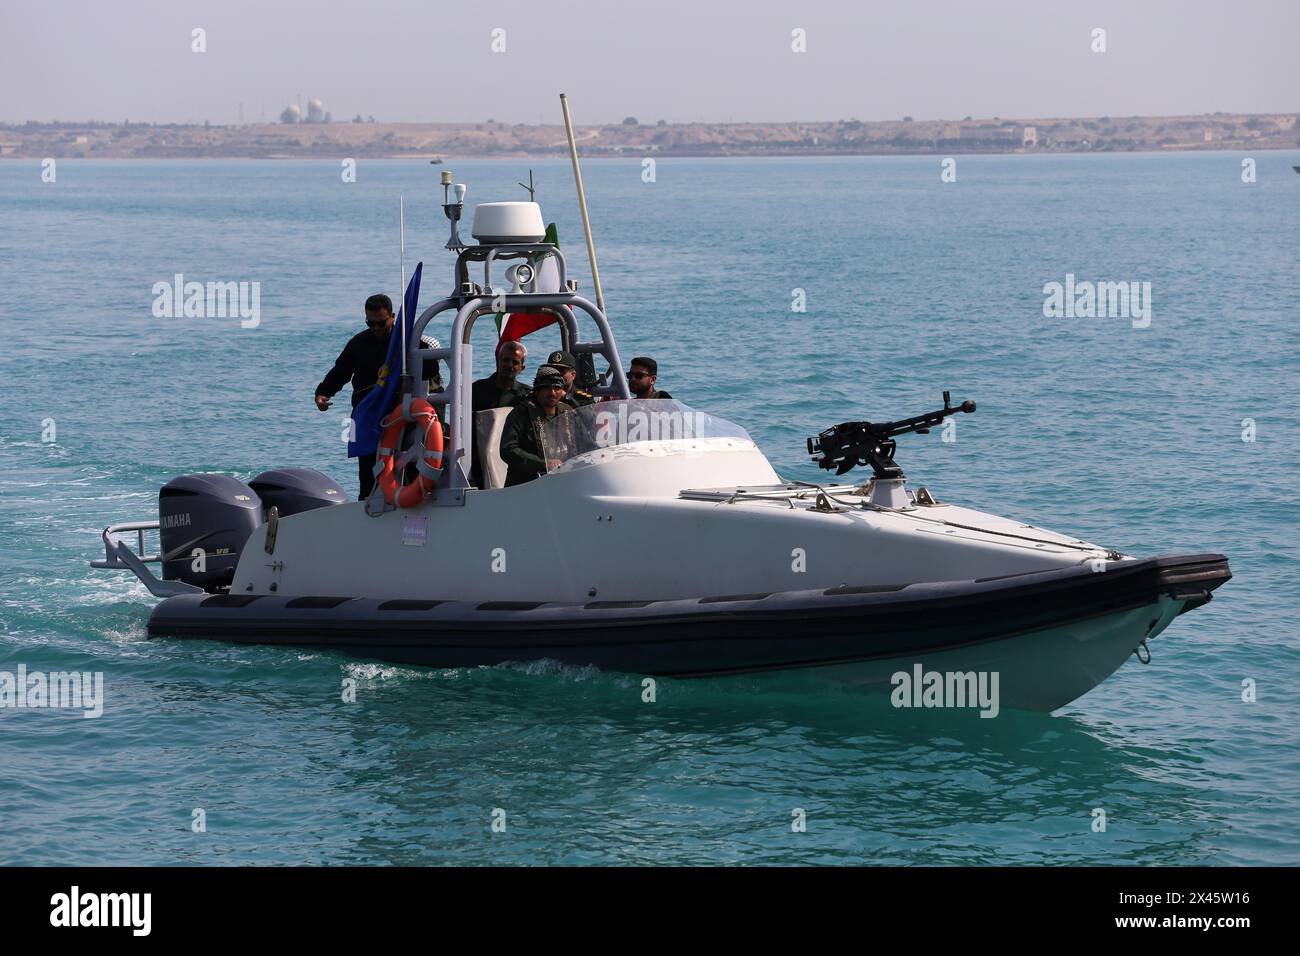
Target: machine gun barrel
x: 920, y: 423
x: 848, y: 444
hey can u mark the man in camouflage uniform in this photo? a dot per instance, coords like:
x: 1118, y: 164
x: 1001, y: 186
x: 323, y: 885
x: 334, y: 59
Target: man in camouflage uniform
x: 521, y: 442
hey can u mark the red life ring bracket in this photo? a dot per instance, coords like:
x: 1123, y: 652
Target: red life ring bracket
x: 428, y: 464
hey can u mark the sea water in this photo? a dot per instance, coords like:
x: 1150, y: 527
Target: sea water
x: 785, y: 295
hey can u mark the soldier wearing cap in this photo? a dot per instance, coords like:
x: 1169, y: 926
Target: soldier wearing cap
x: 521, y: 442
x: 574, y: 397
x: 641, y: 379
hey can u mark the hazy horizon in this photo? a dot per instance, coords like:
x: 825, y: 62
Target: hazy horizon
x: 115, y: 60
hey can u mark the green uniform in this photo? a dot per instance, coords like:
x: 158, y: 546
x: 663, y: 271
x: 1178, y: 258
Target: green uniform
x: 485, y: 394
x: 521, y: 443
x: 579, y: 399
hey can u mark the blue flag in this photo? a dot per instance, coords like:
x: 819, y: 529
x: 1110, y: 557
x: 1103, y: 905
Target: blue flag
x: 374, y: 408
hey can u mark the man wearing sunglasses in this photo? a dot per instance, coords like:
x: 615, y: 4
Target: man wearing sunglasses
x: 360, y: 362
x: 641, y: 379
x: 362, y: 357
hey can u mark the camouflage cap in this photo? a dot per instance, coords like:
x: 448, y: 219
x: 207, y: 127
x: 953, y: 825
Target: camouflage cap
x: 562, y: 360
x: 548, y: 376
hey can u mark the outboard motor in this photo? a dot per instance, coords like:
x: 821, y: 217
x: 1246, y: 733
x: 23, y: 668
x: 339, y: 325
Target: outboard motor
x: 291, y: 490
x: 203, y: 522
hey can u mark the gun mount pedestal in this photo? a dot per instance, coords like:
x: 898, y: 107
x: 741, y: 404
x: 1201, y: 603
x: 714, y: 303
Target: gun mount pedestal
x: 890, y: 493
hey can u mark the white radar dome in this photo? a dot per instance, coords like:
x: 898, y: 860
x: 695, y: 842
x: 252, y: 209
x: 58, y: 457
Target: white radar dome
x: 502, y: 222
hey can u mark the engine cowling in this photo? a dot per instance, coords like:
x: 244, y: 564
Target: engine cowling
x: 203, y: 523
x: 293, y: 490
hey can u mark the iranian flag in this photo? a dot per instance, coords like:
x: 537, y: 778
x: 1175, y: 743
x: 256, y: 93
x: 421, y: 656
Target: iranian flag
x: 514, y: 326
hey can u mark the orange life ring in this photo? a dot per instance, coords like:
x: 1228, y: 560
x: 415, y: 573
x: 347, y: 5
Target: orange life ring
x: 429, y: 465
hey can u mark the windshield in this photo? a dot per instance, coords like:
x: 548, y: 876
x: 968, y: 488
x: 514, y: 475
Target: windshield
x: 627, y: 421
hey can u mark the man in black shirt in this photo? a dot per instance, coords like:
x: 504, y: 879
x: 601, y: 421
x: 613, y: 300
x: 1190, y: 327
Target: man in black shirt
x: 501, y: 389
x: 641, y: 379
x: 360, y: 362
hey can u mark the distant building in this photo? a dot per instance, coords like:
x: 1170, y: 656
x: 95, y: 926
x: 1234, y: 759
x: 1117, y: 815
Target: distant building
x: 987, y: 131
x: 291, y: 114
x: 1029, y: 136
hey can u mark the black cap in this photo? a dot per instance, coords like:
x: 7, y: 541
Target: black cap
x: 562, y: 360
x: 649, y: 364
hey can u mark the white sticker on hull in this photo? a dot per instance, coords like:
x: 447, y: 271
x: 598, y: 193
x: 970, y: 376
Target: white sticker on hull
x: 415, y: 530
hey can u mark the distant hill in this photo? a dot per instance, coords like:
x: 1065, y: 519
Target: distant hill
x: 840, y: 138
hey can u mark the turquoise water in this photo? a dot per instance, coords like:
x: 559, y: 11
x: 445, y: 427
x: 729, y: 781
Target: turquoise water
x: 1130, y: 437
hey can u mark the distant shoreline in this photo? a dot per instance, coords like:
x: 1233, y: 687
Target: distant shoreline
x: 492, y: 140
x: 499, y: 157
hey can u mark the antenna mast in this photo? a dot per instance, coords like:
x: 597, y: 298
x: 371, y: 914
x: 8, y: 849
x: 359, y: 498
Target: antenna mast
x: 531, y: 187
x: 582, y: 203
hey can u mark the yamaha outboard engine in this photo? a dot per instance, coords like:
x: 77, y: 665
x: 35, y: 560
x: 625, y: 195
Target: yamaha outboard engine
x: 291, y: 490
x: 203, y: 522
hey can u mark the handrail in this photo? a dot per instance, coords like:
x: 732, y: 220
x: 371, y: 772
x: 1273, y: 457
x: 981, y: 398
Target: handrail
x: 119, y: 556
x: 514, y: 250
x: 110, y: 559
x: 458, y: 354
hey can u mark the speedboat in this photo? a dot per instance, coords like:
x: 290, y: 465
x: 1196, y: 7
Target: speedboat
x: 660, y: 540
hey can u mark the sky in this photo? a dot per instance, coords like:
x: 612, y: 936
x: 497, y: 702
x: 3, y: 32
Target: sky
x: 676, y: 60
